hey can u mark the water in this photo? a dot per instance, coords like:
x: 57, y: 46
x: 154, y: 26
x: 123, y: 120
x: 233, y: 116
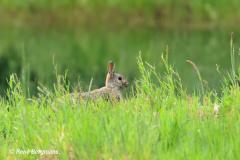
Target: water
x: 84, y: 54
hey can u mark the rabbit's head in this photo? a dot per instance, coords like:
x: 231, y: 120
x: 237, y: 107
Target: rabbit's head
x: 115, y: 80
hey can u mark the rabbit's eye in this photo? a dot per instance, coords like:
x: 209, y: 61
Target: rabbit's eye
x: 119, y: 78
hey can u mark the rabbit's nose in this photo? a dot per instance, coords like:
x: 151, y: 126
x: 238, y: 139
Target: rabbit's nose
x: 126, y: 83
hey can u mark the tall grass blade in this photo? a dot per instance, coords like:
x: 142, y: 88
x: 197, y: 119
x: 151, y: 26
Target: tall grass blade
x: 198, y: 74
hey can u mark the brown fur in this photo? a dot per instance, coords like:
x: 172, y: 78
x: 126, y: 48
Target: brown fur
x: 112, y: 90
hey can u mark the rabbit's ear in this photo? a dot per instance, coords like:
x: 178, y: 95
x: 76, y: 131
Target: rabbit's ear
x: 111, y: 67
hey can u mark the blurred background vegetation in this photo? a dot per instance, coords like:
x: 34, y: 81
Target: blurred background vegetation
x: 80, y: 36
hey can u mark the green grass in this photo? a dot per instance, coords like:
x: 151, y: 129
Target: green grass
x: 158, y: 120
x: 85, y: 53
x: 202, y: 13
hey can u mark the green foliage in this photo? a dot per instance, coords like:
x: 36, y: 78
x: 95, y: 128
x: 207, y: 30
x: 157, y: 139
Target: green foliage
x: 197, y: 12
x: 84, y: 55
x: 159, y: 121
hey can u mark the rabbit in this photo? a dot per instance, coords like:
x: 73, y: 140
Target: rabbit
x: 114, y: 84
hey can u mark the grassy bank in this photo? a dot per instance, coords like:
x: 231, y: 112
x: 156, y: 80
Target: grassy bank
x: 84, y: 54
x: 150, y: 13
x: 158, y: 120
